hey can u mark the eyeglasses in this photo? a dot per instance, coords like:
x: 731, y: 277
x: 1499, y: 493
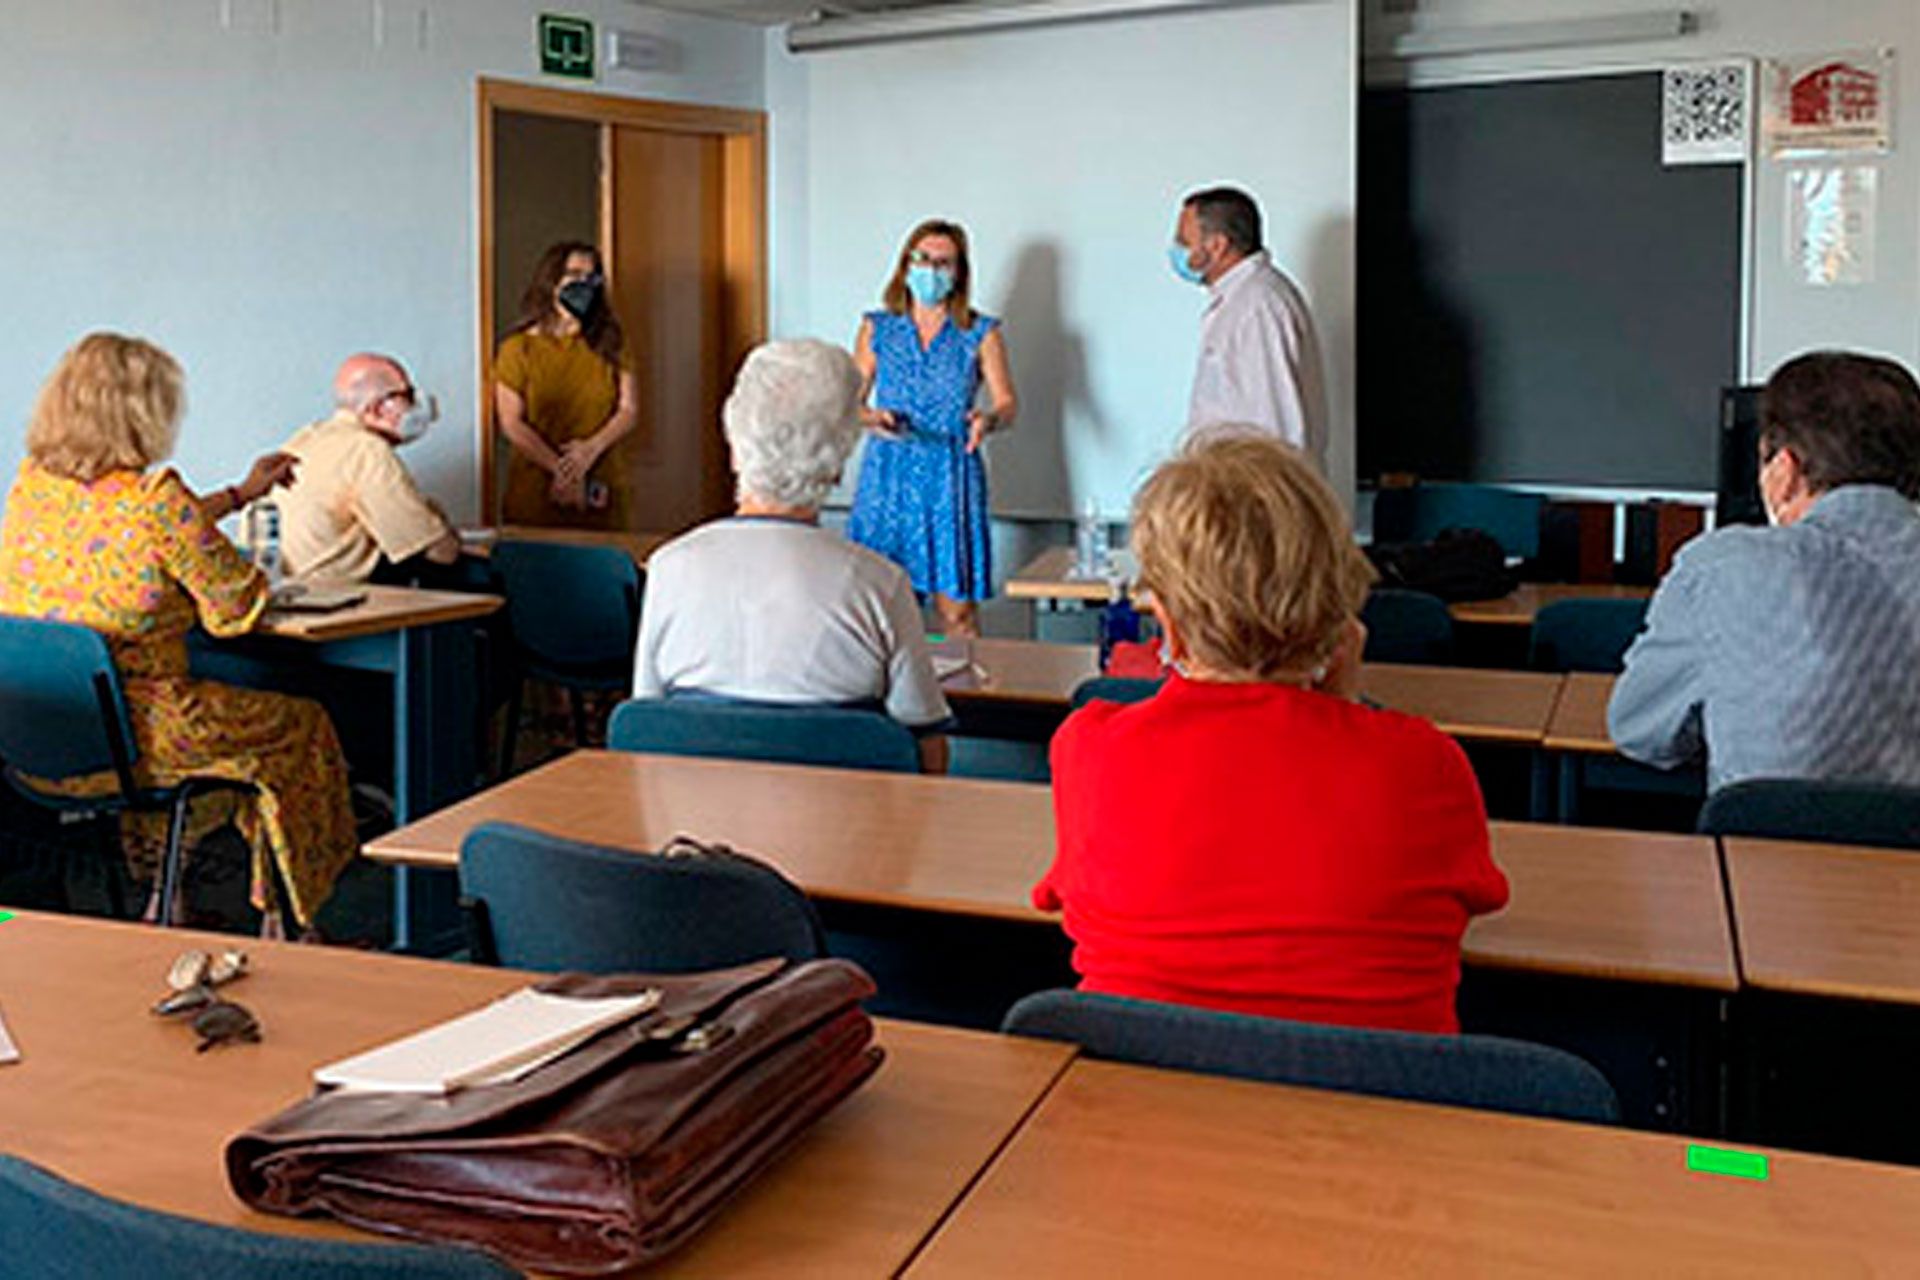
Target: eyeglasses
x: 919, y: 259
x: 406, y: 393
x: 193, y: 977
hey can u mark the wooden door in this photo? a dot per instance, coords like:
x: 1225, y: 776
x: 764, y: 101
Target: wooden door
x: 667, y: 261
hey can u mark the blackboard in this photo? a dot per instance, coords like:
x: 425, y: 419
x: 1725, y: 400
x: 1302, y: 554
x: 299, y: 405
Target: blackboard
x: 1540, y: 300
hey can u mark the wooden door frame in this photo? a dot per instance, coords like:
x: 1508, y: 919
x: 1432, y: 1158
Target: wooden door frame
x: 743, y: 135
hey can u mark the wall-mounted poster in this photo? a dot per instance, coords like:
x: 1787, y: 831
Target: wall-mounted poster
x: 1831, y: 211
x: 1834, y: 102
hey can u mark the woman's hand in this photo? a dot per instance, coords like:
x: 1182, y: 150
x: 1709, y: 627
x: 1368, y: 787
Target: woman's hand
x: 568, y: 493
x: 274, y: 471
x: 1342, y: 678
x: 576, y: 460
x: 980, y: 425
x: 881, y: 421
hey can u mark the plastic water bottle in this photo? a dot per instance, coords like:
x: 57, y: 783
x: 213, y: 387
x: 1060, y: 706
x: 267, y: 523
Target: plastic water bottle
x: 263, y: 539
x: 1091, y: 551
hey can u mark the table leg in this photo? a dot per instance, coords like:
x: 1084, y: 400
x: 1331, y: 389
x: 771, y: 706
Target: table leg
x: 435, y: 763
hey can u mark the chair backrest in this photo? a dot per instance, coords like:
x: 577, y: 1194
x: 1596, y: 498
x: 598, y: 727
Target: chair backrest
x: 555, y: 904
x: 1419, y: 513
x: 836, y: 737
x: 1585, y: 635
x: 570, y: 605
x: 51, y: 1229
x: 60, y: 700
x: 1407, y: 626
x: 1464, y: 1071
x: 1869, y: 813
x: 1114, y: 689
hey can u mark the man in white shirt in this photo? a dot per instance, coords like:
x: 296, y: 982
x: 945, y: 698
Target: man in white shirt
x: 1259, y: 357
x: 769, y: 607
x: 357, y: 508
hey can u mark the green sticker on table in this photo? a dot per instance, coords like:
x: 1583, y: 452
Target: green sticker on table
x: 5, y: 916
x: 1728, y: 1164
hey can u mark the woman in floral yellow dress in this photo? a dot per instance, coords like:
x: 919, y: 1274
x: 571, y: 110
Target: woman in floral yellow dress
x: 96, y: 533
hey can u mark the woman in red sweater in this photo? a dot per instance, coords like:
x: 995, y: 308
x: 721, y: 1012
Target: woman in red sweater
x: 1252, y: 838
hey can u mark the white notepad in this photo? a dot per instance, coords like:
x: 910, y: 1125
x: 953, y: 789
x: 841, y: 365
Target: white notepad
x: 9, y: 1052
x: 493, y: 1045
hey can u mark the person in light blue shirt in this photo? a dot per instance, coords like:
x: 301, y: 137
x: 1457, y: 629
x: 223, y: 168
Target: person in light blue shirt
x: 1793, y: 651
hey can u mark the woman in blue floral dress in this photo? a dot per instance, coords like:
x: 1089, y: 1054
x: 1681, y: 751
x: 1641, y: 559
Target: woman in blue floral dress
x: 922, y: 496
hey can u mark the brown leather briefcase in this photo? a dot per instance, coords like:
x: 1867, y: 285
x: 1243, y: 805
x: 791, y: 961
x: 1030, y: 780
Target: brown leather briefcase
x: 605, y: 1159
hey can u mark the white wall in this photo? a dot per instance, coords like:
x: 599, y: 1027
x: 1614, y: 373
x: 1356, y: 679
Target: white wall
x: 1785, y: 316
x: 1065, y: 150
x: 266, y: 197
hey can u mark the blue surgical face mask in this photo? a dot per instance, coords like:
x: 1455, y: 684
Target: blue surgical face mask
x: 1177, y: 258
x: 929, y: 285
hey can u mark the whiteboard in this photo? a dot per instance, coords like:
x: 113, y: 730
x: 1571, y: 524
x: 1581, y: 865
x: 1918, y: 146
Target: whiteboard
x: 1065, y: 151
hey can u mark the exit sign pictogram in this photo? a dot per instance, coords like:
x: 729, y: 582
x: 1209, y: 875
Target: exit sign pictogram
x: 566, y: 46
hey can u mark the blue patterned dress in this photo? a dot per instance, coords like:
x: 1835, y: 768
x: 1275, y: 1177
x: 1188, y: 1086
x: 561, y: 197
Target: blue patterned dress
x: 922, y: 500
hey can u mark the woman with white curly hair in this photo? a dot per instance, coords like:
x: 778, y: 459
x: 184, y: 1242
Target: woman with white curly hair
x: 766, y: 606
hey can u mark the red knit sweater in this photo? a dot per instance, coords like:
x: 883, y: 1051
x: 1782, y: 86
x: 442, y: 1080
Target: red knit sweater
x: 1269, y: 850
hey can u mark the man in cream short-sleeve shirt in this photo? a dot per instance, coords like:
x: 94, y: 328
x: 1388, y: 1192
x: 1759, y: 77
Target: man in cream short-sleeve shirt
x: 769, y: 607
x: 355, y: 504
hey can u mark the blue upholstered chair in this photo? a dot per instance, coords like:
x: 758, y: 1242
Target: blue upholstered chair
x: 536, y: 901
x: 1463, y: 1071
x: 1114, y: 689
x: 51, y: 1229
x: 575, y: 613
x: 63, y: 715
x: 837, y: 737
x: 1585, y: 635
x: 1419, y: 513
x: 1407, y: 626
x: 1866, y: 813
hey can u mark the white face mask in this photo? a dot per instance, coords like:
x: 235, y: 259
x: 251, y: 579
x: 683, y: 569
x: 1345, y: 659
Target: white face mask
x: 413, y: 424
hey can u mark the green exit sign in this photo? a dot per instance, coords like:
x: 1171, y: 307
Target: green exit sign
x: 566, y: 46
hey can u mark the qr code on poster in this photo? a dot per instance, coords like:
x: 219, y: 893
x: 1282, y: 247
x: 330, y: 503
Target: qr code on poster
x: 1704, y: 114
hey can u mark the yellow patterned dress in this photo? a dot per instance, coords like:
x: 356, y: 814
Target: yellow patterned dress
x: 134, y: 556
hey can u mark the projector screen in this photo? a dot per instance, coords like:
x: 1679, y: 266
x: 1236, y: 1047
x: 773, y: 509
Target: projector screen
x: 1064, y: 151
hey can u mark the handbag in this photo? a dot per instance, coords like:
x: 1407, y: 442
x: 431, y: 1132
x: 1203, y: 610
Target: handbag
x: 605, y: 1159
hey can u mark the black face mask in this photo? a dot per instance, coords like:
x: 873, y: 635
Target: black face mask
x: 581, y: 298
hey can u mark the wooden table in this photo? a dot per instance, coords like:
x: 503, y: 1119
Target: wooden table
x: 1050, y: 576
x: 1124, y: 1172
x: 1470, y: 703
x: 639, y: 545
x: 1827, y: 920
x: 385, y: 611
x: 1633, y: 906
x: 1579, y: 721
x: 1586, y: 902
x: 1518, y: 607
x: 422, y: 644
x: 118, y: 1100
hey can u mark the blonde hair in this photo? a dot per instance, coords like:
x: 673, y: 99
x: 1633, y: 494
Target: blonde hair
x: 1248, y: 552
x: 113, y: 403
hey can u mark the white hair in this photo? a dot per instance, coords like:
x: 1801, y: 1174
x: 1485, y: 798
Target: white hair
x: 791, y: 421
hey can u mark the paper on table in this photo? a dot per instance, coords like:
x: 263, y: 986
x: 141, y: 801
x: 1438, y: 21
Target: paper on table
x: 9, y: 1052
x: 492, y: 1045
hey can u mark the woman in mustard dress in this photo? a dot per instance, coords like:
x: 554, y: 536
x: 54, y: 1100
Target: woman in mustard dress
x: 566, y: 399
x: 95, y: 533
